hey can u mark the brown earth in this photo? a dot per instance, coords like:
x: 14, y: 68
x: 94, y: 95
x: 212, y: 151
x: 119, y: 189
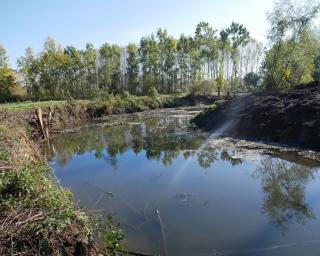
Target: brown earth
x: 289, y: 117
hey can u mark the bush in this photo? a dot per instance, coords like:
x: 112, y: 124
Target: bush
x: 153, y: 93
x: 210, y: 109
x: 125, y: 95
x: 202, y: 88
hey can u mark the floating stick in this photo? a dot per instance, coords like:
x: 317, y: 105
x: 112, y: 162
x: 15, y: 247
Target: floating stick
x: 163, y: 233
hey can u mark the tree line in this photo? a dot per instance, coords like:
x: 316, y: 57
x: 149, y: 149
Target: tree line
x: 228, y: 60
x: 158, y: 63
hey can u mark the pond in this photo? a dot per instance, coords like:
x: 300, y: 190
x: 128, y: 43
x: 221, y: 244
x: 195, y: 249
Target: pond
x: 176, y: 190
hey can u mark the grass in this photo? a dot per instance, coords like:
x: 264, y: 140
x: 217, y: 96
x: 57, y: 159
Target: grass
x: 128, y: 104
x: 28, y: 105
x: 37, y: 216
x: 209, y: 109
x: 124, y: 101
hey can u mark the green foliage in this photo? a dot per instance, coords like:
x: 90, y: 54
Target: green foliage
x: 203, y: 115
x: 316, y: 71
x: 238, y: 36
x: 153, y: 93
x: 289, y: 61
x: 112, y: 238
x: 28, y: 105
x: 202, y: 88
x: 109, y: 67
x: 133, y: 68
x: 251, y: 81
x: 37, y: 215
x: 125, y: 95
x: 169, y: 65
x: 7, y: 78
x: 32, y: 188
x: 127, y: 103
x: 296, y: 66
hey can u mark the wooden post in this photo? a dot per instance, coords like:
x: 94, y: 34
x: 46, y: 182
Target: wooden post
x: 40, y: 120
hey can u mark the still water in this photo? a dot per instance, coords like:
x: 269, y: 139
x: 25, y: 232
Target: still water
x: 212, y: 199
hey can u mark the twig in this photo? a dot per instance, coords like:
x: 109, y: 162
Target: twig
x: 6, y: 168
x: 133, y: 253
x: 99, y: 199
x: 32, y: 146
x: 35, y: 217
x: 162, y: 233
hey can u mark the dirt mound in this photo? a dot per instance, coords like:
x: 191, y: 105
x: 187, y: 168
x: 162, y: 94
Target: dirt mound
x: 191, y: 100
x: 289, y: 117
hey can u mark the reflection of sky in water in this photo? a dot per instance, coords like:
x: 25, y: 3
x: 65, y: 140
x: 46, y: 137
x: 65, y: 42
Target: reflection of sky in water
x: 208, y: 200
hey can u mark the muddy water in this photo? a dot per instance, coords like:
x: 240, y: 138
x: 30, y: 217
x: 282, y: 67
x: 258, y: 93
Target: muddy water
x: 214, y: 196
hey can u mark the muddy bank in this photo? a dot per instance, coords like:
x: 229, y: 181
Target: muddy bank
x: 191, y: 100
x: 37, y: 216
x: 75, y: 114
x: 251, y: 151
x: 289, y: 117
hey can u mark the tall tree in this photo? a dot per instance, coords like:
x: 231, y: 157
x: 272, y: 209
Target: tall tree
x: 90, y: 57
x: 133, y: 68
x: 238, y: 36
x: 223, y: 45
x: 109, y: 58
x: 184, y: 60
x: 7, y: 77
x: 28, y: 67
x: 288, y: 22
x: 207, y: 41
x: 149, y: 59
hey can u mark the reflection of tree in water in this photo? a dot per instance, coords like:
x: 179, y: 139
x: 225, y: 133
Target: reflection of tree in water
x: 208, y: 156
x: 229, y: 156
x: 284, y: 186
x: 162, y: 139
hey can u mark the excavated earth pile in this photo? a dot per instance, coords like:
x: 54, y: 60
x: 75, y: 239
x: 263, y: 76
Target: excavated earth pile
x: 289, y: 117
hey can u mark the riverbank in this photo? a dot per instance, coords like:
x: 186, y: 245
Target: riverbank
x: 289, y: 117
x: 38, y: 216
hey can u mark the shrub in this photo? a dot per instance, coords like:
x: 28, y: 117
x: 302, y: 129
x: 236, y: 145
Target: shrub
x: 153, y: 93
x: 202, y: 88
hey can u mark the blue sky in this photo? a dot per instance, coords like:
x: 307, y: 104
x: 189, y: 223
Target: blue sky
x: 75, y: 22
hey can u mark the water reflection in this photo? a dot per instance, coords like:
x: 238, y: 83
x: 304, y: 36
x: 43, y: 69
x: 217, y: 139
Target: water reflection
x: 161, y: 138
x: 160, y: 161
x: 283, y: 184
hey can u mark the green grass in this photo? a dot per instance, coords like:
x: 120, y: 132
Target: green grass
x: 23, y: 106
x: 36, y: 214
x: 205, y: 113
x: 29, y: 191
x: 109, y: 105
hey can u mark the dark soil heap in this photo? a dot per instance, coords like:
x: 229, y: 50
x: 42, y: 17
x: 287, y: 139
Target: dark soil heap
x: 289, y: 117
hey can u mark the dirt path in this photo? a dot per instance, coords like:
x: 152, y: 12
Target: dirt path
x: 289, y: 117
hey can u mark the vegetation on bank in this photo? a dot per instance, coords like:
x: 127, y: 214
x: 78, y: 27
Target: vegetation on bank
x: 37, y: 215
x: 209, y: 109
x: 118, y: 104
